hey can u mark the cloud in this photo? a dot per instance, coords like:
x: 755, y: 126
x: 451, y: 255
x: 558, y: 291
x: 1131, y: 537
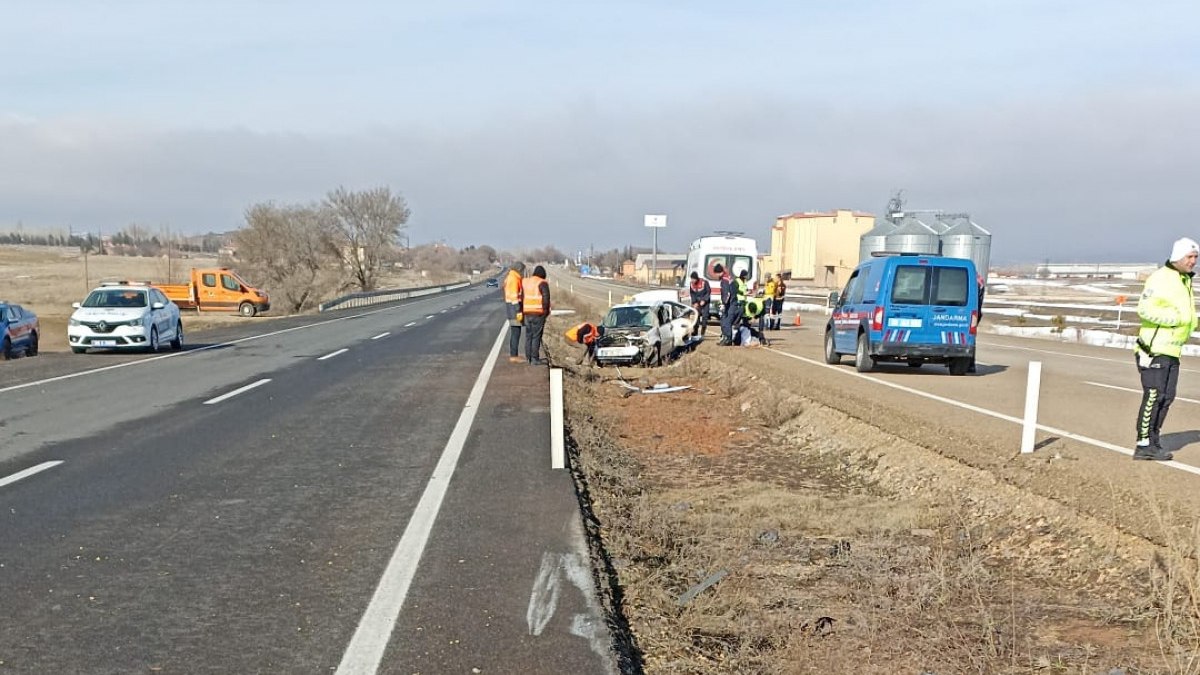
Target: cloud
x: 1081, y: 178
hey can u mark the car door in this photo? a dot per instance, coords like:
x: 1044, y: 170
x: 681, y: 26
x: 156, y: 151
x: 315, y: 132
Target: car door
x: 683, y: 321
x: 662, y: 329
x: 18, y: 329
x: 846, y: 313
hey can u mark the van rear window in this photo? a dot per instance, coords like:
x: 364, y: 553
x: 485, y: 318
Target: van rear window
x: 930, y: 286
x: 734, y: 264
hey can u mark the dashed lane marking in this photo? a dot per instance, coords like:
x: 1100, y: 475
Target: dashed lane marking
x: 26, y: 473
x: 235, y: 392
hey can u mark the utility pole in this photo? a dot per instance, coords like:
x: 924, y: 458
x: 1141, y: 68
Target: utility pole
x: 655, y: 222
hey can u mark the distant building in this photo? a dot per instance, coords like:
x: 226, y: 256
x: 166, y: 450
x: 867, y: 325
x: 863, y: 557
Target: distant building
x: 668, y: 272
x: 821, y: 247
x: 1130, y: 271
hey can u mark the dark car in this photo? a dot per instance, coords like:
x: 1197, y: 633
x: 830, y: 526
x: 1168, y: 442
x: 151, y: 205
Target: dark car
x: 18, y: 331
x: 492, y: 283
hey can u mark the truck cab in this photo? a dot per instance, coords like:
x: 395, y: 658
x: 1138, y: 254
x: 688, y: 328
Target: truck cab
x: 906, y: 308
x: 217, y: 289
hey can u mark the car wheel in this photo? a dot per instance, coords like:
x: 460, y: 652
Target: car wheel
x: 657, y: 360
x: 177, y: 343
x: 831, y: 356
x: 959, y: 365
x: 6, y: 351
x: 78, y: 350
x: 862, y: 360
x: 153, y: 345
x: 247, y: 309
x: 32, y: 349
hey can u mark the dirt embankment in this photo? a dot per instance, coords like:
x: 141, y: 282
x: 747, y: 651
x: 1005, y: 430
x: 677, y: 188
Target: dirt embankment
x: 745, y: 528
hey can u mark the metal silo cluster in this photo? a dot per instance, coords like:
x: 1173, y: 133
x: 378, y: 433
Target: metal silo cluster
x: 952, y: 235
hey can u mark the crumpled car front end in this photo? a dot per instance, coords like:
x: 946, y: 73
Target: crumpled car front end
x: 622, y: 347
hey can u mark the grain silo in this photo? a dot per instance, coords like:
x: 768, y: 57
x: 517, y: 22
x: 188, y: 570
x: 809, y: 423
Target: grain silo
x: 913, y: 236
x: 875, y: 239
x: 966, y: 239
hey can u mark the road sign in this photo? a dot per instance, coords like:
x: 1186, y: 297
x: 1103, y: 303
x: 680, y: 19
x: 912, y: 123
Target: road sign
x: 656, y: 221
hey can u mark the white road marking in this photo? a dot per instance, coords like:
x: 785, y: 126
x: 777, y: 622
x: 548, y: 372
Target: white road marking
x: 197, y: 350
x: 381, y: 335
x: 235, y: 392
x: 1128, y: 360
x: 431, y: 316
x: 983, y: 411
x: 26, y: 473
x: 410, y: 324
x: 366, y: 648
x: 1136, y: 391
x: 330, y: 355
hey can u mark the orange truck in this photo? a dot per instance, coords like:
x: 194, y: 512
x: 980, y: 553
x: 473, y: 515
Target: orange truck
x: 217, y: 289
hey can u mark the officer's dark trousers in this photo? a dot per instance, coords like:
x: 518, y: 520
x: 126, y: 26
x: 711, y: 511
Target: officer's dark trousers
x: 514, y: 339
x: 1158, y: 390
x: 729, y: 316
x: 534, y: 325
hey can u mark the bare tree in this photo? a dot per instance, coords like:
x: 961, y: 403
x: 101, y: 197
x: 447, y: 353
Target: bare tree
x: 366, y: 224
x: 291, y: 250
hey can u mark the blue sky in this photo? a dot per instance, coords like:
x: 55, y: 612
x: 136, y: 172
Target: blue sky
x: 1068, y: 129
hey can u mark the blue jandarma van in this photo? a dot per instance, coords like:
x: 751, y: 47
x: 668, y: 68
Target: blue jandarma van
x: 907, y: 308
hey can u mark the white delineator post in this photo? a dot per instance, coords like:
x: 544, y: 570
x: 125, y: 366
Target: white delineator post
x: 558, y: 454
x: 1032, y: 386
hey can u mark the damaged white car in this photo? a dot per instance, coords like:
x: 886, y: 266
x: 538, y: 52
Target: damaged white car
x: 644, y: 333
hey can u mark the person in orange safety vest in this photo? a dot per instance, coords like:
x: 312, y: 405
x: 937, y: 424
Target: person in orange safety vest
x: 586, y: 334
x: 514, y: 299
x: 536, y: 307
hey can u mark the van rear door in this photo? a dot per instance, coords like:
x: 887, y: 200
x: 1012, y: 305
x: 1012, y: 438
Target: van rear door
x: 929, y: 304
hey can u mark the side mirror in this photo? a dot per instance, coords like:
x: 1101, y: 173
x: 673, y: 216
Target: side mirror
x: 834, y: 298
x: 75, y: 305
x: 157, y: 305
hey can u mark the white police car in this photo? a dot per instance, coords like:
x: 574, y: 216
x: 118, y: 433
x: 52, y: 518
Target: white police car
x: 124, y: 315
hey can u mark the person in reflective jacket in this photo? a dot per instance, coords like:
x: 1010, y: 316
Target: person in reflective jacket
x: 514, y: 298
x: 1167, y: 309
x: 586, y: 334
x: 536, y: 307
x: 701, y: 295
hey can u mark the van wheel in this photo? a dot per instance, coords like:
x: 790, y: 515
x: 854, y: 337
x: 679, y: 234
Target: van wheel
x: 862, y: 360
x: 831, y: 357
x: 915, y: 363
x: 959, y: 365
x: 247, y: 309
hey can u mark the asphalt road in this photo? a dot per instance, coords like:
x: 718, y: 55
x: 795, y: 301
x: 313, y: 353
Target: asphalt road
x: 255, y: 504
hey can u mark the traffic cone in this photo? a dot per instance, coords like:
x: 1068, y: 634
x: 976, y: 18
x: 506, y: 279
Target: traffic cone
x: 797, y: 321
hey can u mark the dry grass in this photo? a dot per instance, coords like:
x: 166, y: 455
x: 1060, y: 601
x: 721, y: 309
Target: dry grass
x: 849, y: 550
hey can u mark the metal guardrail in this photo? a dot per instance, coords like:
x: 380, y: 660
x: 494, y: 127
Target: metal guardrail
x: 364, y: 298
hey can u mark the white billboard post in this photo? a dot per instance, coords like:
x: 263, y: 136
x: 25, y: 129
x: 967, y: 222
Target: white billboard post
x: 654, y: 223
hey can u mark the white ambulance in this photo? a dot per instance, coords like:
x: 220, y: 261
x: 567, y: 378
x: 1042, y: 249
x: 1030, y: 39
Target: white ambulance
x: 729, y: 249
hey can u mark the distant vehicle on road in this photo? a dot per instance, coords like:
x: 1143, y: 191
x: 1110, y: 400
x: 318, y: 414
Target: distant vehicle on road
x: 217, y: 289
x: 18, y: 331
x: 492, y: 283
x: 907, y: 308
x: 125, y: 315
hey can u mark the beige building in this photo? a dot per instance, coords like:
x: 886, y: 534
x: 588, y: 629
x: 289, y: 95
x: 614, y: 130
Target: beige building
x: 816, y: 247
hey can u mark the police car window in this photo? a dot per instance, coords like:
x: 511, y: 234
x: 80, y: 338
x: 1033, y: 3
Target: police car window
x: 950, y: 286
x: 909, y: 286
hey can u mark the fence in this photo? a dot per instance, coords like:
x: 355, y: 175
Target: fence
x: 362, y: 299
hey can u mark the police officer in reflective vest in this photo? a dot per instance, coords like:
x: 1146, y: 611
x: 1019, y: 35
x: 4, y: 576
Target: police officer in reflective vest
x: 536, y: 307
x: 1168, y: 312
x: 514, y: 297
